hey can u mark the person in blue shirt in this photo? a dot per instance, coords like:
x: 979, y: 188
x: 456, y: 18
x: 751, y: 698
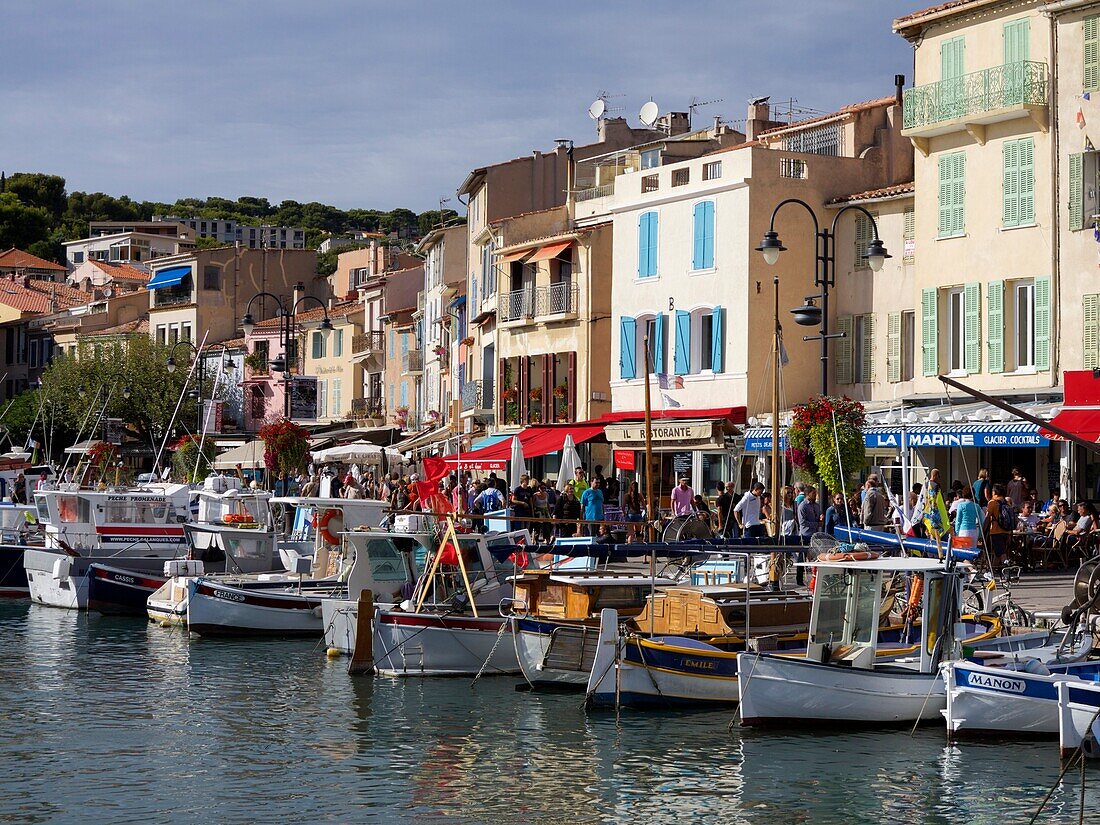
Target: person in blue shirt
x: 968, y: 518
x: 835, y: 515
x: 592, y: 504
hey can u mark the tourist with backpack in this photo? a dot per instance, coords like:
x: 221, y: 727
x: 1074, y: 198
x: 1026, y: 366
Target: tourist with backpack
x: 1000, y: 522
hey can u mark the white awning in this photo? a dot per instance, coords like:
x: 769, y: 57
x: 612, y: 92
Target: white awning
x: 249, y: 455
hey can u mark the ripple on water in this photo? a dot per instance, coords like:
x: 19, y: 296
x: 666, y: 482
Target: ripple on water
x: 114, y: 720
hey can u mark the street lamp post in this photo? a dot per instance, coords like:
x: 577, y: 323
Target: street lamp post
x: 201, y: 370
x: 281, y: 363
x: 810, y: 314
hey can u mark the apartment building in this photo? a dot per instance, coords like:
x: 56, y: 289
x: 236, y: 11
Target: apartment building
x: 230, y: 231
x: 205, y: 293
x: 93, y: 274
x: 979, y: 119
x: 130, y: 247
x: 398, y: 387
x: 444, y: 316
x: 17, y: 263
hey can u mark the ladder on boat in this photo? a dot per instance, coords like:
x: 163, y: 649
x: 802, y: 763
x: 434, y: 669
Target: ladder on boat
x: 571, y: 649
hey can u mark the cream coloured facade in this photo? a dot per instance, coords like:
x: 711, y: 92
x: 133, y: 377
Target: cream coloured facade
x: 443, y: 316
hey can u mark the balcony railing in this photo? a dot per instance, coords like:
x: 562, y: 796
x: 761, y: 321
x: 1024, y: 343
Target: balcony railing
x: 1012, y: 85
x: 556, y: 299
x: 516, y: 305
x: 413, y: 361
x: 368, y: 342
x: 368, y: 408
x: 167, y: 297
x: 596, y: 192
x: 472, y: 397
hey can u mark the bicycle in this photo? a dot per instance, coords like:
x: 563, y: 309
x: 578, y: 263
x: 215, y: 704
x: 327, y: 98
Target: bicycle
x: 980, y: 596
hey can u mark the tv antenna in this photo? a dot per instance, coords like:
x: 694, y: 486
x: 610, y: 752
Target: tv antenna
x: 696, y: 103
x: 648, y: 113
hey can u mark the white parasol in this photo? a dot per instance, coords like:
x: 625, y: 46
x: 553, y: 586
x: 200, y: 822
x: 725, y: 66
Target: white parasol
x: 357, y: 452
x: 516, y: 466
x: 570, y: 461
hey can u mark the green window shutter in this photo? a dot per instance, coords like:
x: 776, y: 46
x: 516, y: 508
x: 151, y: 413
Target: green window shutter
x: 929, y: 331
x: 1090, y: 346
x: 1076, y: 192
x: 893, y: 347
x: 867, y: 373
x: 958, y: 193
x: 945, y: 196
x: 1042, y: 323
x: 1016, y: 36
x: 995, y: 325
x: 844, y: 350
x: 1092, y: 53
x: 909, y: 236
x: 1026, y: 167
x: 864, y: 235
x: 972, y: 327
x: 1010, y: 190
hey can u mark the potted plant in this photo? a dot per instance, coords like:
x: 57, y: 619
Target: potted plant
x: 536, y: 393
x: 401, y: 416
x: 468, y: 341
x: 813, y: 446
x: 439, y: 350
x: 257, y: 362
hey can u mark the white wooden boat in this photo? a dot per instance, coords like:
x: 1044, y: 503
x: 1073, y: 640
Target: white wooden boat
x: 1079, y: 718
x: 839, y: 680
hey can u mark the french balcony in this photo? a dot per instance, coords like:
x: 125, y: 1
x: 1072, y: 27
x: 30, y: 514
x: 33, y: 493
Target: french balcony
x: 369, y: 347
x: 363, y: 408
x: 413, y: 362
x: 973, y: 101
x: 556, y: 300
x: 518, y: 305
x: 472, y: 398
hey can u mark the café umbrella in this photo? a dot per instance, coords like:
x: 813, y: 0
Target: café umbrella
x: 570, y: 461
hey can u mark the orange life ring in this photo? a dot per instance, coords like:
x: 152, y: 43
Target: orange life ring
x: 862, y: 555
x: 322, y: 525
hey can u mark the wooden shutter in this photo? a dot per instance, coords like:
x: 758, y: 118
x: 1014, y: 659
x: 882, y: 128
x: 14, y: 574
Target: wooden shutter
x: 929, y: 332
x: 844, y: 350
x: 658, y: 343
x: 628, y: 329
x: 708, y: 234
x: 958, y: 193
x: 995, y: 325
x: 944, y: 228
x: 909, y: 236
x: 1016, y: 37
x: 698, y: 233
x: 651, y: 240
x: 893, y: 347
x: 1042, y: 323
x: 972, y: 327
x: 1092, y: 53
x: 867, y: 371
x: 1076, y: 192
x: 1010, y: 189
x: 1090, y: 345
x: 1026, y: 157
x: 572, y: 391
x: 864, y: 236
x: 682, y: 363
x: 717, y: 340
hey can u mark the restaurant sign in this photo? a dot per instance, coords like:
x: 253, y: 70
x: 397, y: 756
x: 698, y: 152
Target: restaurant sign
x: 664, y: 431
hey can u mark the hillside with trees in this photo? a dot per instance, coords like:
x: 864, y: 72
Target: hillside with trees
x: 38, y: 214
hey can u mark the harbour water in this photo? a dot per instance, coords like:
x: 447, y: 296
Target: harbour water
x: 114, y: 720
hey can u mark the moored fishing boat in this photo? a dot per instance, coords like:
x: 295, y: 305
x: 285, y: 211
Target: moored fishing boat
x: 19, y: 529
x: 1079, y: 718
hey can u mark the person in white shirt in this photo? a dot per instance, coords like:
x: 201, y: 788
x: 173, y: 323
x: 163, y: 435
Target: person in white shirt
x: 747, y: 513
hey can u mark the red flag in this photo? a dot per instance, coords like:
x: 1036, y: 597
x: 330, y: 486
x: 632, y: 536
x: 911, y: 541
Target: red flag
x: 434, y: 468
x: 449, y: 554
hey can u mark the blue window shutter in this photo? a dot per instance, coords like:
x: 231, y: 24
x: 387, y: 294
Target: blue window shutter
x: 698, y: 236
x: 658, y: 343
x: 708, y: 235
x: 627, y: 348
x: 652, y: 244
x: 717, y: 339
x: 643, y: 243
x: 683, y: 343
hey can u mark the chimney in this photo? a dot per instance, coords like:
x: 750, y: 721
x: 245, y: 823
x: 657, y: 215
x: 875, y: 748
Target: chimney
x: 759, y: 117
x: 899, y: 84
x: 299, y: 288
x: 673, y: 123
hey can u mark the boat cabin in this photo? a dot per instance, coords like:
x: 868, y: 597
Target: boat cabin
x: 723, y: 611
x: 582, y: 595
x: 848, y: 605
x: 115, y: 519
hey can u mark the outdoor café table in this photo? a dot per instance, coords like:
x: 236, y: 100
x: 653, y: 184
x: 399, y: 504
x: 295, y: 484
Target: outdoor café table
x: 1022, y: 547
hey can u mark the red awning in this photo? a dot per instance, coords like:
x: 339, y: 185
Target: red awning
x: 515, y: 256
x: 1082, y: 423
x: 736, y: 415
x: 549, y: 251
x: 536, y: 441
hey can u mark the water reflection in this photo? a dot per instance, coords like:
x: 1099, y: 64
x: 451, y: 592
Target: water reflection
x: 115, y: 720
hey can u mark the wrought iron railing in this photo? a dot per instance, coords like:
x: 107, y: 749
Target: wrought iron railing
x: 472, y: 397
x: 556, y: 299
x: 413, y: 361
x: 368, y: 408
x: 172, y: 296
x: 516, y: 305
x: 1013, y: 84
x: 368, y: 342
x: 596, y: 192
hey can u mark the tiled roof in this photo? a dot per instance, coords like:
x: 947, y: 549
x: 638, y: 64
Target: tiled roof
x: 232, y: 343
x: 123, y: 272
x: 136, y: 327
x: 18, y: 259
x: 847, y: 110
x: 872, y: 194
x: 903, y: 21
x: 36, y: 295
x: 315, y: 313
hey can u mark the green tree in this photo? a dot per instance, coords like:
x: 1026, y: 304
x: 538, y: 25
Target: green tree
x: 38, y: 189
x: 21, y: 225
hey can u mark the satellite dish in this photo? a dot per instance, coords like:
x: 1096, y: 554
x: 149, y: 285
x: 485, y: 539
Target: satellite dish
x: 648, y: 114
x: 598, y: 107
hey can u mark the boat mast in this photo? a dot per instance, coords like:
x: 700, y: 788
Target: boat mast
x: 777, y: 502
x: 650, y: 515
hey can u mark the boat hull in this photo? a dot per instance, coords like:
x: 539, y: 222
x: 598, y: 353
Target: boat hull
x: 1079, y: 719
x: 340, y: 618
x: 427, y: 644
x: 791, y: 691
x: 553, y: 656
x: 117, y: 591
x: 215, y: 609
x: 13, y: 576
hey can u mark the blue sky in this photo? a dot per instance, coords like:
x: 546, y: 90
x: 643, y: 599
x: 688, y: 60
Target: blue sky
x: 386, y: 104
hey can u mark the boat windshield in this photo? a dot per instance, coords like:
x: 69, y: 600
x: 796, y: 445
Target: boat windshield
x: 386, y: 561
x: 845, y: 609
x: 864, y: 616
x: 125, y: 510
x: 831, y: 593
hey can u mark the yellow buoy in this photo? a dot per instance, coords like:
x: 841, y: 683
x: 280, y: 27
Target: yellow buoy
x: 333, y: 652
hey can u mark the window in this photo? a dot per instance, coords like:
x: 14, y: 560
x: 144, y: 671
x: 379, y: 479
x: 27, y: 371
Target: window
x: 863, y: 348
x: 706, y: 342
x: 821, y: 140
x: 337, y: 343
x: 651, y: 158
x: 78, y: 257
x: 1090, y: 331
x: 952, y: 193
x: 322, y: 399
x: 865, y: 233
x: 908, y: 344
x: 956, y: 330
x: 211, y: 277
x: 681, y: 177
x: 650, y: 183
x: 173, y: 334
x: 1024, y: 321
x: 318, y: 344
x: 1018, y: 192
x: 488, y: 273
x: 647, y: 245
x: 185, y: 331
x: 792, y: 168
x: 260, y: 349
x: 337, y: 401
x: 162, y: 334
x: 703, y: 235
x: 1092, y: 54
x: 909, y: 236
x: 393, y: 343
x: 712, y: 170
x: 33, y: 354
